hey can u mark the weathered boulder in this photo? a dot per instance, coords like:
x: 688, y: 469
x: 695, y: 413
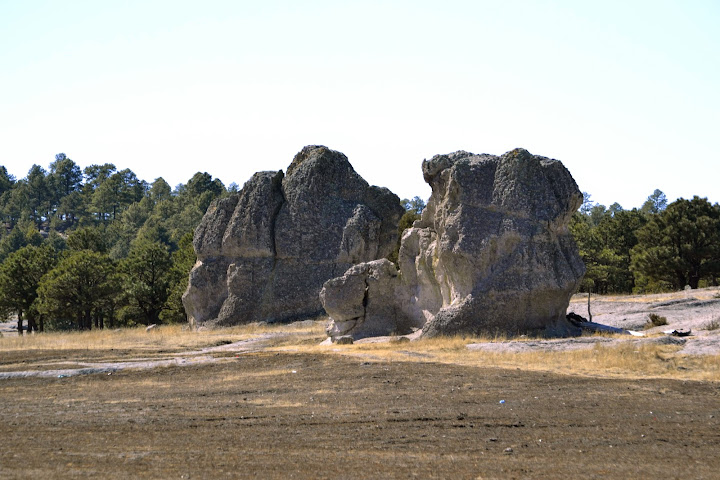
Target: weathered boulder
x: 362, y: 300
x: 491, y: 253
x: 265, y: 252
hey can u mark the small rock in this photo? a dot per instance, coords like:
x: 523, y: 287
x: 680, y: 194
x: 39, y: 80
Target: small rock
x: 344, y: 340
x: 508, y: 451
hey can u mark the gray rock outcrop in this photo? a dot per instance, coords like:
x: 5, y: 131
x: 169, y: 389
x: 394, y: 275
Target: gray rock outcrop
x: 265, y: 252
x: 491, y: 254
x: 362, y: 300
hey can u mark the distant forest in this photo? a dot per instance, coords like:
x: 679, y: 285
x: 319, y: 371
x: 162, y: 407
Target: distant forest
x: 659, y: 247
x: 98, y: 247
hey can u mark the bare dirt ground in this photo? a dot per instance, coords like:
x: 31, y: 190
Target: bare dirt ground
x: 284, y: 415
x: 273, y: 404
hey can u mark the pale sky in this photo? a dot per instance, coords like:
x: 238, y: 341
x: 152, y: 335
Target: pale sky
x: 625, y: 93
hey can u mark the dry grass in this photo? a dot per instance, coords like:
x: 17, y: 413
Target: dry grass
x: 626, y: 360
x: 713, y: 324
x: 655, y: 320
x: 164, y: 339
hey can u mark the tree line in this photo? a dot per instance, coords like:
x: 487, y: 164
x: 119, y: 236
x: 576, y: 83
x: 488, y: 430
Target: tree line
x: 97, y: 247
x: 659, y: 247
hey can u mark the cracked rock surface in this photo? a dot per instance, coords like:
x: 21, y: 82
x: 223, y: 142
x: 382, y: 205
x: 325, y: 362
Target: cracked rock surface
x: 362, y: 300
x: 265, y: 252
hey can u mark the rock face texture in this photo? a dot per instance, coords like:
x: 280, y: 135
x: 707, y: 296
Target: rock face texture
x: 491, y: 253
x: 264, y: 253
x: 363, y: 300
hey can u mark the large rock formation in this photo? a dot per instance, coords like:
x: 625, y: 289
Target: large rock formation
x: 264, y: 253
x: 491, y: 253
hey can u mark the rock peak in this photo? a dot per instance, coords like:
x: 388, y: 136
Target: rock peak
x: 313, y: 152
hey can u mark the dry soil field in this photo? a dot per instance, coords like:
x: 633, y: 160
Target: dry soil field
x: 269, y: 402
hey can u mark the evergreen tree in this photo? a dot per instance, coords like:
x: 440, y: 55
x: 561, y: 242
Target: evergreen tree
x: 71, y: 210
x: 95, y: 175
x: 87, y: 238
x: 80, y: 288
x: 655, y: 203
x: 39, y: 194
x: 6, y: 180
x: 25, y: 233
x: 20, y: 276
x: 160, y: 190
x: 679, y: 246
x: 617, y: 234
x: 16, y: 204
x: 416, y: 205
x: 65, y: 177
x: 146, y: 280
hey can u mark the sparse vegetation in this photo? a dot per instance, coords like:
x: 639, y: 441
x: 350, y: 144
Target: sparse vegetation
x: 655, y: 320
x: 713, y: 324
x: 627, y: 360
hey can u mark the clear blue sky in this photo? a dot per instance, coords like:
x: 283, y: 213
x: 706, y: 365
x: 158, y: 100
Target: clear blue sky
x: 625, y: 93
